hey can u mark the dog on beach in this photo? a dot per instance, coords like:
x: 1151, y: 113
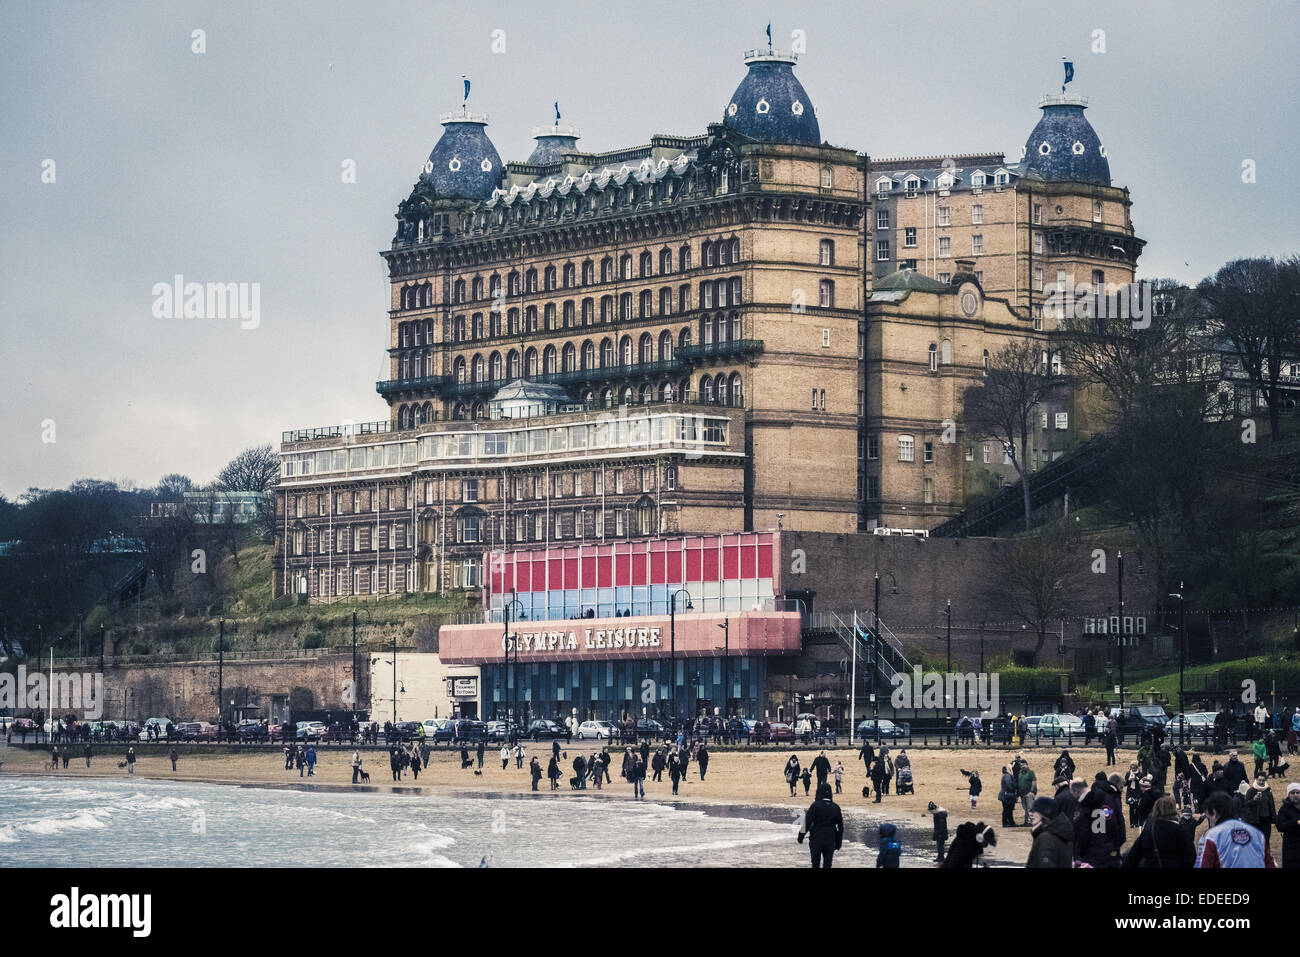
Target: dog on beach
x: 365, y: 777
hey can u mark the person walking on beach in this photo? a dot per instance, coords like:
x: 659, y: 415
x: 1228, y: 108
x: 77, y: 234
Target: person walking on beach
x: 130, y: 760
x: 867, y: 753
x: 702, y: 758
x: 479, y: 755
x: 838, y: 771
x: 878, y: 776
x: 415, y: 764
x: 636, y: 774
x: 660, y: 764
x: 553, y: 773
x: 889, y: 768
x: 395, y: 764
x: 674, y: 770
x: 1109, y: 739
x: 822, y: 766
x: 174, y: 755
x: 535, y: 771
x: 806, y: 777
x: 1027, y: 785
x: 1230, y: 842
x: 519, y: 756
x: 940, y: 816
x: 1163, y: 842
x: 823, y: 825
x: 791, y: 773
x: 288, y: 757
x: 505, y: 756
x: 975, y: 788
x: 311, y: 761
x: 87, y: 754
x: 1008, y: 795
x: 356, y: 765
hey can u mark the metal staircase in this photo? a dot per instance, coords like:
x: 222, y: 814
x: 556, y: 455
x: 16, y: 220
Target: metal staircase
x: 892, y: 661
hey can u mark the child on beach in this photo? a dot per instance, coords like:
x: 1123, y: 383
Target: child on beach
x: 888, y: 848
x: 838, y: 771
x: 976, y: 786
x: 806, y: 776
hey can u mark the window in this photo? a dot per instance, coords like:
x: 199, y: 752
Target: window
x: 909, y: 236
x: 1098, y: 281
x: 945, y: 246
x: 1038, y: 277
x: 882, y: 219
x: 943, y: 215
x: 826, y: 290
x: 827, y: 252
x: 469, y: 490
x: 826, y: 338
x: 944, y: 277
x: 929, y: 491
x: 670, y: 478
x: 873, y: 445
x: 906, y: 448
x: 928, y: 452
x: 945, y: 352
x: 1096, y: 210
x: 882, y: 250
x: 1038, y: 243
x: 1062, y: 420
x: 1038, y: 214
x: 977, y: 244
x: 977, y: 214
x: 934, y: 358
x: 978, y: 179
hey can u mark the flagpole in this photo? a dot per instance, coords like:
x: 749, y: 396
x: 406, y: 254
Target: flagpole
x: 853, y: 682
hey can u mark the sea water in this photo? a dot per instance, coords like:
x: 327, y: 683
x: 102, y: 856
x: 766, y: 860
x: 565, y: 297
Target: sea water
x: 92, y: 822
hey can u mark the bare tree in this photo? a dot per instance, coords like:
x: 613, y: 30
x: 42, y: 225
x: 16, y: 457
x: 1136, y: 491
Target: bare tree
x: 256, y: 469
x: 1032, y: 580
x: 1019, y: 378
x: 173, y: 486
x: 1255, y: 305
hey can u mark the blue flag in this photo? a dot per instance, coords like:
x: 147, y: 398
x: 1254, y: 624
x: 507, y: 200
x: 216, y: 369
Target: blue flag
x: 466, y: 79
x: 557, y: 112
x: 769, y: 35
x: 1069, y: 73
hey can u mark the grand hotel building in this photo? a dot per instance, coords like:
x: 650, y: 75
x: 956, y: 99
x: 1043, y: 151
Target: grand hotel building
x: 726, y: 333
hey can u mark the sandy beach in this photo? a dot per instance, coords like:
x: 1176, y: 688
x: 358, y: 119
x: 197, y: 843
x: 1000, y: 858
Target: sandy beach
x: 734, y: 778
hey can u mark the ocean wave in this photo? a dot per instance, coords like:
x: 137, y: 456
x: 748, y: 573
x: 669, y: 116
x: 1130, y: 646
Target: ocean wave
x: 695, y: 849
x: 8, y: 834
x: 88, y: 820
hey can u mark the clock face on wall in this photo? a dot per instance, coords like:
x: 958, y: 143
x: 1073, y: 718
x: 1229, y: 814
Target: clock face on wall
x: 968, y: 297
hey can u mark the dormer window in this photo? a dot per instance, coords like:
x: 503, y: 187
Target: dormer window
x: 911, y: 185
x: 884, y: 185
x: 978, y: 179
x: 1001, y: 178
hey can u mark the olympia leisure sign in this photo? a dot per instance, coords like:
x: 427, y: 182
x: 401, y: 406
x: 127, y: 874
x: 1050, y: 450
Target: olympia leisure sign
x: 592, y: 639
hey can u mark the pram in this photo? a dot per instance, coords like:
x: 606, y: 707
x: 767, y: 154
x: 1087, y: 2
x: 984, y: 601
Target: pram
x: 904, y: 784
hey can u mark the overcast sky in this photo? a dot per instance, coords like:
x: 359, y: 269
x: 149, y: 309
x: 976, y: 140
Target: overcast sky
x: 226, y: 166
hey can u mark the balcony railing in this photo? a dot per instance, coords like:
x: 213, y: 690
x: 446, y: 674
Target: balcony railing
x: 423, y: 383
x: 346, y: 430
x: 719, y: 350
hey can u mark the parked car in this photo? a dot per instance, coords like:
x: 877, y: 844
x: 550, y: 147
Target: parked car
x: 24, y: 726
x: 880, y: 728
x: 649, y: 728
x: 780, y: 731
x: 1141, y: 718
x: 1058, y: 725
x: 600, y: 730
x: 158, y: 723
x: 501, y: 730
x: 1195, y: 724
x: 307, y: 730
x: 546, y: 728
x: 437, y: 730
x: 407, y: 730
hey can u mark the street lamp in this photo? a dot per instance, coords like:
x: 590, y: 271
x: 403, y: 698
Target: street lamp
x: 875, y: 644
x: 510, y: 674
x: 1182, y: 649
x: 672, y: 643
x: 726, y: 664
x: 1120, y: 579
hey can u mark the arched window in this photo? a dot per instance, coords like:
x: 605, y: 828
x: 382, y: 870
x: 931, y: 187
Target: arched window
x: 476, y: 288
x: 458, y: 291
x: 625, y: 266
x: 665, y: 346
x: 548, y: 360
x: 530, y: 319
x: 625, y: 306
x: 646, y: 349
x: 568, y: 314
x: 934, y: 357
x: 945, y: 352
x: 665, y: 301
x: 684, y: 258
x: 627, y: 396
x: 494, y: 367
x: 458, y: 368
x: 733, y: 321
x: 512, y: 322
x: 606, y: 353
x: 548, y: 314
x: 530, y: 362
x: 667, y: 392
x: 569, y: 362
x: 647, y: 394
x: 588, y: 312
x: 426, y: 412
x: 737, y: 392
x: 735, y: 249
x: 402, y: 417
x: 458, y: 411
x: 480, y: 410
x: 512, y: 364
x: 494, y: 286
x: 477, y: 329
x: 606, y: 269
x: 588, y: 355
x: 720, y: 384
x: 684, y: 340
x: 458, y: 329
x: 512, y: 283
x: 665, y: 261
x: 569, y: 273
x: 706, y: 388
x: 476, y: 369
x: 606, y: 308
x: 549, y: 280
x: 625, y: 351
x: 494, y: 323
x: 706, y: 253
x: 530, y: 281
x: 607, y: 398
x: 588, y: 273
x: 647, y: 265
x: 724, y: 252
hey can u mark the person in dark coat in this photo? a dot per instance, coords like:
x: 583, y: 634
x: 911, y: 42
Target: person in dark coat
x: 1149, y: 793
x: 535, y: 771
x: 395, y: 764
x: 878, y: 776
x: 1234, y: 772
x: 1008, y: 796
x: 806, y: 777
x: 553, y: 773
x: 675, y: 770
x: 1098, y: 830
x: 580, y: 770
x: 821, y: 766
x: 660, y: 763
x: 1163, y: 842
x: 702, y: 759
x: 1288, y: 825
x: 823, y: 825
x: 1053, y: 834
x: 867, y: 754
x: 1110, y: 740
x: 888, y: 849
x: 1064, y: 767
x: 940, y: 816
x: 969, y: 843
x: 1197, y: 776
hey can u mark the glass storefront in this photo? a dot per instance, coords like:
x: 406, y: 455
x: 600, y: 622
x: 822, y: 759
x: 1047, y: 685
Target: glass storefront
x: 612, y: 690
